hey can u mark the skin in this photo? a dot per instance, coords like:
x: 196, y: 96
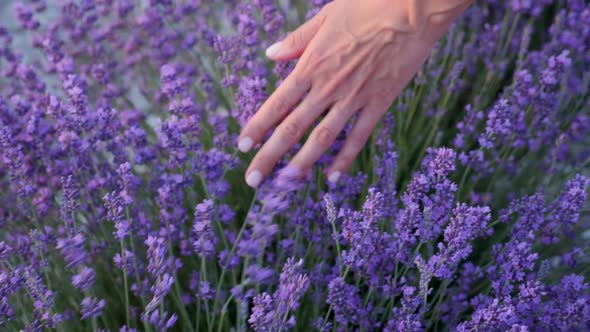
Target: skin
x: 354, y: 57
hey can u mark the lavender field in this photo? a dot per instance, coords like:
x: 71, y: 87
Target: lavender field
x: 123, y: 205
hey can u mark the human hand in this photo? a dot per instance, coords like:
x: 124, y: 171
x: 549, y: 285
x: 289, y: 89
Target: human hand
x: 354, y: 57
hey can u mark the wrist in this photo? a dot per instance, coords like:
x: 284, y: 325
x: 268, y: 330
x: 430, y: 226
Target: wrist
x: 424, y: 13
x: 433, y: 17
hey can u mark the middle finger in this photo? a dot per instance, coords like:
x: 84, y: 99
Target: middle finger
x: 287, y: 134
x: 324, y: 135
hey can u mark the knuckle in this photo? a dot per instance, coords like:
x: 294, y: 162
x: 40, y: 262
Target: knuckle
x: 349, y: 106
x: 299, y: 81
x: 290, y: 130
x: 293, y: 40
x: 382, y: 93
x: 325, y: 136
x: 281, y: 105
x: 312, y: 58
x: 330, y: 89
x: 320, y: 96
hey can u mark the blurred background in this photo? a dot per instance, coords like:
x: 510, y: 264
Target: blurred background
x: 21, y: 38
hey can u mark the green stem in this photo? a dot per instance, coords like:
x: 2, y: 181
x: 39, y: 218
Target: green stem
x: 178, y: 293
x: 94, y: 324
x: 203, y: 275
x: 146, y: 326
x: 511, y: 33
x: 126, y: 287
x: 232, y: 251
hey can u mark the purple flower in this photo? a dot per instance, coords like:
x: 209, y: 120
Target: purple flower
x: 569, y: 304
x: 271, y: 16
x: 249, y: 97
x: 70, y: 200
x: 345, y: 302
x: 43, y: 299
x: 370, y: 252
x: 405, y: 318
x: 73, y: 250
x: 293, y: 283
x: 25, y: 17
x: 75, y: 87
x: 565, y: 210
x: 534, y: 8
x: 118, y: 119
x: 494, y: 316
x: 127, y: 329
x: 157, y: 253
x: 512, y: 262
x: 428, y: 201
x: 124, y: 261
x: 160, y: 289
x: 466, y: 224
x: 263, y: 313
x: 272, y: 313
x: 160, y: 268
x: 84, y: 279
x: 204, y: 237
x: 173, y: 81
x: 128, y: 183
x: 161, y: 321
x: 92, y: 307
x: 386, y: 172
x: 260, y: 275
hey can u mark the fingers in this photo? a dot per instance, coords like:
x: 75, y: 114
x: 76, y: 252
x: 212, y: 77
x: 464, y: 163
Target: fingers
x: 356, y: 140
x: 323, y: 136
x: 296, y: 42
x: 276, y: 107
x: 287, y: 134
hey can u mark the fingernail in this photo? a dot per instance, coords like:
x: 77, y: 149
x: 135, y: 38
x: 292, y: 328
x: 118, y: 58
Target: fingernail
x: 333, y: 178
x: 254, y: 178
x: 273, y: 50
x: 245, y: 144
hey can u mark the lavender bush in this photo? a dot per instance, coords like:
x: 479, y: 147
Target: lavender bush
x: 123, y: 205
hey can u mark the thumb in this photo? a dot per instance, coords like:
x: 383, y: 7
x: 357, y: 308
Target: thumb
x: 296, y: 42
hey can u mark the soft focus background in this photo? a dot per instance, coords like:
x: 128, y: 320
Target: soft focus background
x: 123, y: 205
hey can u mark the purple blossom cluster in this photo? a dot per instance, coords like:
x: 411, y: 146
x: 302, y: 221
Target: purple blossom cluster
x: 122, y: 204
